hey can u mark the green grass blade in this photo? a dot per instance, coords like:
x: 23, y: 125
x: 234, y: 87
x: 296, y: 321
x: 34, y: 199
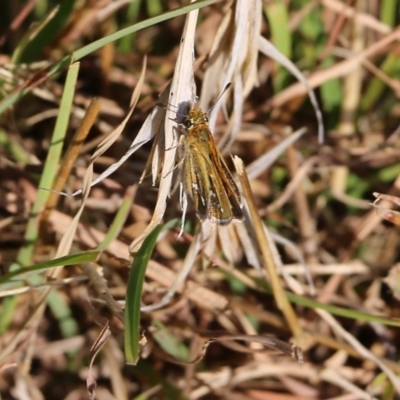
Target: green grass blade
x: 134, y: 296
x: 73, y: 259
x: 127, y: 43
x: 57, y: 303
x: 118, y: 222
x: 14, y: 148
x: 332, y: 95
x: 170, y: 343
x: 62, y: 312
x: 388, y: 12
x: 51, y: 165
x: 278, y: 19
x: 376, y: 88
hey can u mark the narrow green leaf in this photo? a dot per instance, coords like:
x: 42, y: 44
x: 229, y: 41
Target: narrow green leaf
x: 134, y: 296
x: 376, y: 87
x: 278, y: 20
x: 14, y: 148
x: 388, y: 12
x: 72, y: 259
x: 51, y: 165
x: 117, y: 224
x: 331, y: 94
x: 170, y: 343
x: 126, y: 44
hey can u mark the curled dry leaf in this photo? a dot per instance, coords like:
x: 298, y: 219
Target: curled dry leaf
x: 291, y: 350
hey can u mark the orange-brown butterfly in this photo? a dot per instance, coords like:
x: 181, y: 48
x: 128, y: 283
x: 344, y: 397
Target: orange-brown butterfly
x: 206, y: 177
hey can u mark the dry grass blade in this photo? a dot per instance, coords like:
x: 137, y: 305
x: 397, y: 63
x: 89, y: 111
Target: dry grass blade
x: 155, y: 125
x: 306, y: 225
x: 291, y: 186
x: 251, y: 252
x: 100, y: 284
x: 231, y: 246
x: 181, y: 95
x: 264, y: 247
x: 266, y: 160
x: 90, y: 237
x: 71, y: 154
x: 332, y: 376
x: 268, y: 49
x: 115, y: 134
x: 66, y: 241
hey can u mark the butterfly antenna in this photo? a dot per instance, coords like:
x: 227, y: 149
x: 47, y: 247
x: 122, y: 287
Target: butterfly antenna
x: 228, y: 85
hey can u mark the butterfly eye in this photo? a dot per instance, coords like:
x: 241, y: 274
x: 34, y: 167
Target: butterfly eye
x: 188, y: 123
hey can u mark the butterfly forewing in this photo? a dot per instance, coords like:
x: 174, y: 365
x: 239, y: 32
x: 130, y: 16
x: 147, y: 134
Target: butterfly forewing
x: 232, y: 191
x: 196, y: 184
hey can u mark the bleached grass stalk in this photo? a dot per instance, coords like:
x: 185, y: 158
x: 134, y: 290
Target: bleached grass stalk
x: 267, y: 257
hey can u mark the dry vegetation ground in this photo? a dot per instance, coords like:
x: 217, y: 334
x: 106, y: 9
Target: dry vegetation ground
x: 327, y: 281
